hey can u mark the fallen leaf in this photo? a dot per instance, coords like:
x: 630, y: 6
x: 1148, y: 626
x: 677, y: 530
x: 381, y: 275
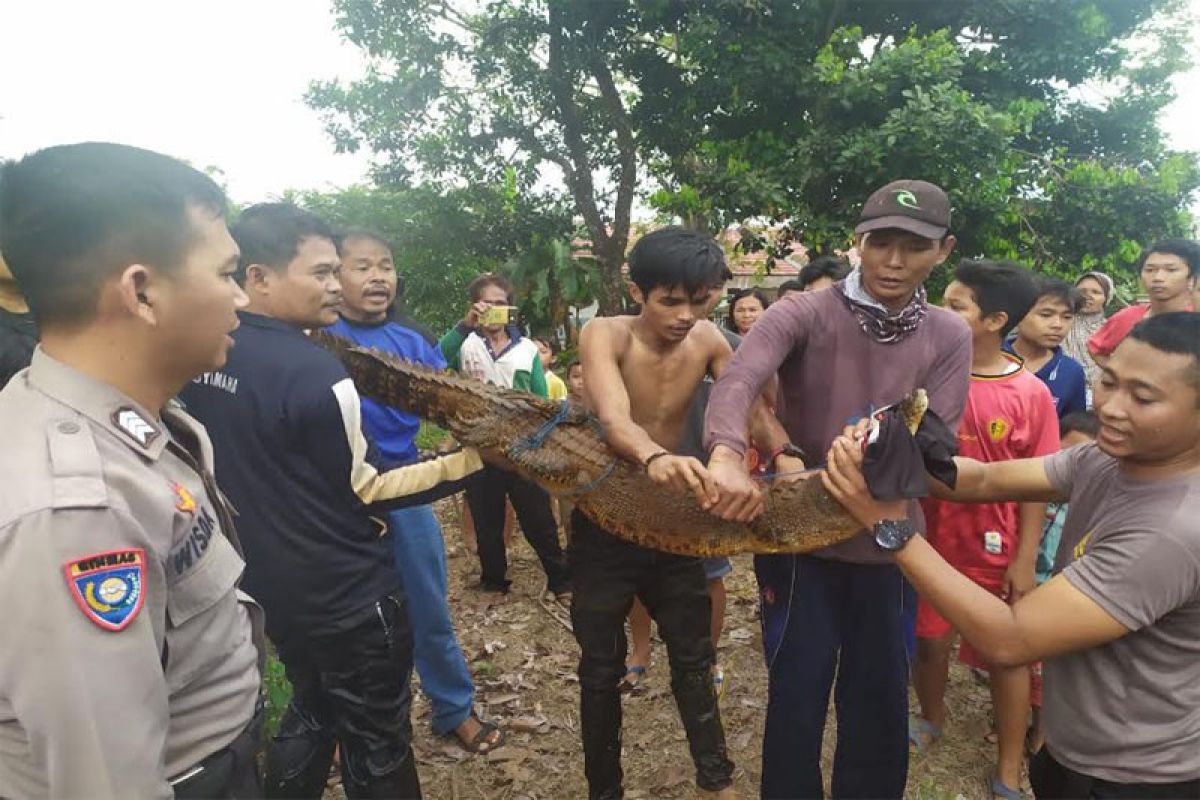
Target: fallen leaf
x: 510, y: 753
x: 527, y: 724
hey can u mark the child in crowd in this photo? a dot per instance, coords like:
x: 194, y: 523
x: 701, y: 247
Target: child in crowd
x: 1039, y: 339
x: 1074, y: 429
x: 556, y: 389
x: 1009, y: 415
x: 575, y: 383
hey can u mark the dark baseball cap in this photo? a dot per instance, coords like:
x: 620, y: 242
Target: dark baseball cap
x: 915, y: 206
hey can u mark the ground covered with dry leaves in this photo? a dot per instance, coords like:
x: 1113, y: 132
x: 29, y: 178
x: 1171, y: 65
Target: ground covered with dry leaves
x: 524, y: 658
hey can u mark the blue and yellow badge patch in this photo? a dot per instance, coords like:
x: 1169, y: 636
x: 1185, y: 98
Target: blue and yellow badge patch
x: 108, y: 586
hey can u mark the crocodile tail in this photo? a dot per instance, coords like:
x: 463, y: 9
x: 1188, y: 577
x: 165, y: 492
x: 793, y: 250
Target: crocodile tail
x: 444, y: 398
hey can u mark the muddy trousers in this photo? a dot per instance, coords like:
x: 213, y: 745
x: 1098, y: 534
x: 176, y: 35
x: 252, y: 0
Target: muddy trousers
x: 351, y: 689
x: 607, y: 573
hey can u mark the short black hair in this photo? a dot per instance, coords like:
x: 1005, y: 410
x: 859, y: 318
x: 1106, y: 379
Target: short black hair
x: 677, y: 256
x: 346, y: 234
x: 72, y: 216
x: 1176, y: 332
x: 830, y: 267
x: 736, y: 297
x: 1062, y: 291
x: 370, y: 234
x: 1186, y: 249
x: 793, y: 285
x: 271, y: 233
x: 475, y: 288
x: 999, y: 286
x: 1079, y: 422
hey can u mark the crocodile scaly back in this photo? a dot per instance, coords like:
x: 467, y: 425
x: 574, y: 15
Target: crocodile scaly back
x: 562, y: 449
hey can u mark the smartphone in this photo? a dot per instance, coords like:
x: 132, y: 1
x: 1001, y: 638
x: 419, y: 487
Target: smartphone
x: 497, y: 315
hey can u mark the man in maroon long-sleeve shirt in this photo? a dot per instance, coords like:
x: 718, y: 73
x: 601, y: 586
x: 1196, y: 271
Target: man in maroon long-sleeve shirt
x: 840, y: 353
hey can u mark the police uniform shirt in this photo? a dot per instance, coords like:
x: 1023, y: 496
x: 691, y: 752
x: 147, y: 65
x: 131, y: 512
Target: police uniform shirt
x: 127, y: 654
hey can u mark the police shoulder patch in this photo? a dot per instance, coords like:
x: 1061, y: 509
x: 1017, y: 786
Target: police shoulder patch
x: 107, y: 587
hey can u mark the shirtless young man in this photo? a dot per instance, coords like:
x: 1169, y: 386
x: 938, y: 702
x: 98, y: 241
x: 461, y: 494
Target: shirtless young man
x: 641, y: 374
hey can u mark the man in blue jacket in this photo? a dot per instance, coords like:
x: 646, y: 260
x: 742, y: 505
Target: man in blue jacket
x: 369, y: 289
x: 286, y: 425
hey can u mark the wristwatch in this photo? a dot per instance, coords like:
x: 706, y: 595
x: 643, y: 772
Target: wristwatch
x: 788, y: 449
x: 892, y: 534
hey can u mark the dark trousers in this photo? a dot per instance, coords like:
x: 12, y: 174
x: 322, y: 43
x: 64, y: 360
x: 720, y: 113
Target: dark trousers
x: 824, y: 618
x: 352, y: 689
x: 486, y: 494
x: 231, y: 773
x: 1052, y: 781
x: 607, y: 574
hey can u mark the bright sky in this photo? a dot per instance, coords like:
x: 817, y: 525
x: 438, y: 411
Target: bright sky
x: 220, y: 83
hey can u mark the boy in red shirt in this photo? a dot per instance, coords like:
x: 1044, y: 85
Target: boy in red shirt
x: 1168, y: 271
x: 1010, y: 414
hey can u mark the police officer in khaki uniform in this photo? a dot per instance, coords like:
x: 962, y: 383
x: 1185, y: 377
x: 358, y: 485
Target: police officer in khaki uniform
x: 130, y: 664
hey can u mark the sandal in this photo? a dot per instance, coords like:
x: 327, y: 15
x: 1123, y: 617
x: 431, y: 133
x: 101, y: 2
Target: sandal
x: 1001, y: 789
x: 480, y: 743
x: 922, y: 734
x: 627, y: 686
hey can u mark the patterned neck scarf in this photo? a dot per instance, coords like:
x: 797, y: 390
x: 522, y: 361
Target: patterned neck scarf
x: 882, y: 325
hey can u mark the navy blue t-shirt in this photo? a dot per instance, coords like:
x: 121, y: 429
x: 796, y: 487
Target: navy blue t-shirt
x: 1065, y: 378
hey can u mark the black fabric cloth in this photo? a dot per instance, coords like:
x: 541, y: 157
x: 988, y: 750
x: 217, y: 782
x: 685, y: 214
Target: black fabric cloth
x: 1053, y: 781
x: 315, y: 559
x: 232, y: 772
x: 895, y: 461
x: 607, y: 573
x: 486, y: 493
x: 352, y: 689
x: 18, y: 338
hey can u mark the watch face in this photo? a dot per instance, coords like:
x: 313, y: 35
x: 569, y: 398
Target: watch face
x: 891, y: 535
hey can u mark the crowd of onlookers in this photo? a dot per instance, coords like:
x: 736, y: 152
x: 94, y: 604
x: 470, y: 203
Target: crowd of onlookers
x: 187, y: 473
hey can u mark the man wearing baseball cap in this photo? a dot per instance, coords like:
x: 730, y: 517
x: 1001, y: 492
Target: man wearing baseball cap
x: 840, y: 354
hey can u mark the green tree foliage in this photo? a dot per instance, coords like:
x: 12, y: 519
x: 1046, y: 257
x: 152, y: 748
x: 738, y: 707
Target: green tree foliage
x: 441, y: 239
x: 478, y: 90
x: 1038, y: 117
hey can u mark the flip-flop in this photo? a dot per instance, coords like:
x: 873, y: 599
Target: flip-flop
x: 1001, y: 789
x: 922, y: 734
x: 627, y: 686
x: 479, y: 743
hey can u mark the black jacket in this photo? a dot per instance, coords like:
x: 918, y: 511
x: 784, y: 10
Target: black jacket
x: 286, y: 428
x: 18, y: 338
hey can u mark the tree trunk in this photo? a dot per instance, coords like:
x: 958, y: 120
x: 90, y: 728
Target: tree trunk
x: 610, y: 289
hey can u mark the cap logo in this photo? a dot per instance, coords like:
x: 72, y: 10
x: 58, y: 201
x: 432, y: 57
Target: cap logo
x: 907, y: 199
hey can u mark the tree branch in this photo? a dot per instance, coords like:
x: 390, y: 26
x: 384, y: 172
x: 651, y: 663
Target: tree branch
x: 581, y: 184
x: 626, y: 147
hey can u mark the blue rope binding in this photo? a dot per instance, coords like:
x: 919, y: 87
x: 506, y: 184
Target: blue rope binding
x: 538, y: 438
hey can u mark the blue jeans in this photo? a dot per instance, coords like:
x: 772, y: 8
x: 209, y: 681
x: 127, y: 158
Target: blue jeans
x: 421, y: 562
x: 814, y: 610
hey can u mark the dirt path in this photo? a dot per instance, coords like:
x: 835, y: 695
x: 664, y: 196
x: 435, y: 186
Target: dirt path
x: 524, y: 662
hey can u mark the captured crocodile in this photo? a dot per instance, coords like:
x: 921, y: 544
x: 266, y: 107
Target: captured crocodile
x: 561, y: 447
